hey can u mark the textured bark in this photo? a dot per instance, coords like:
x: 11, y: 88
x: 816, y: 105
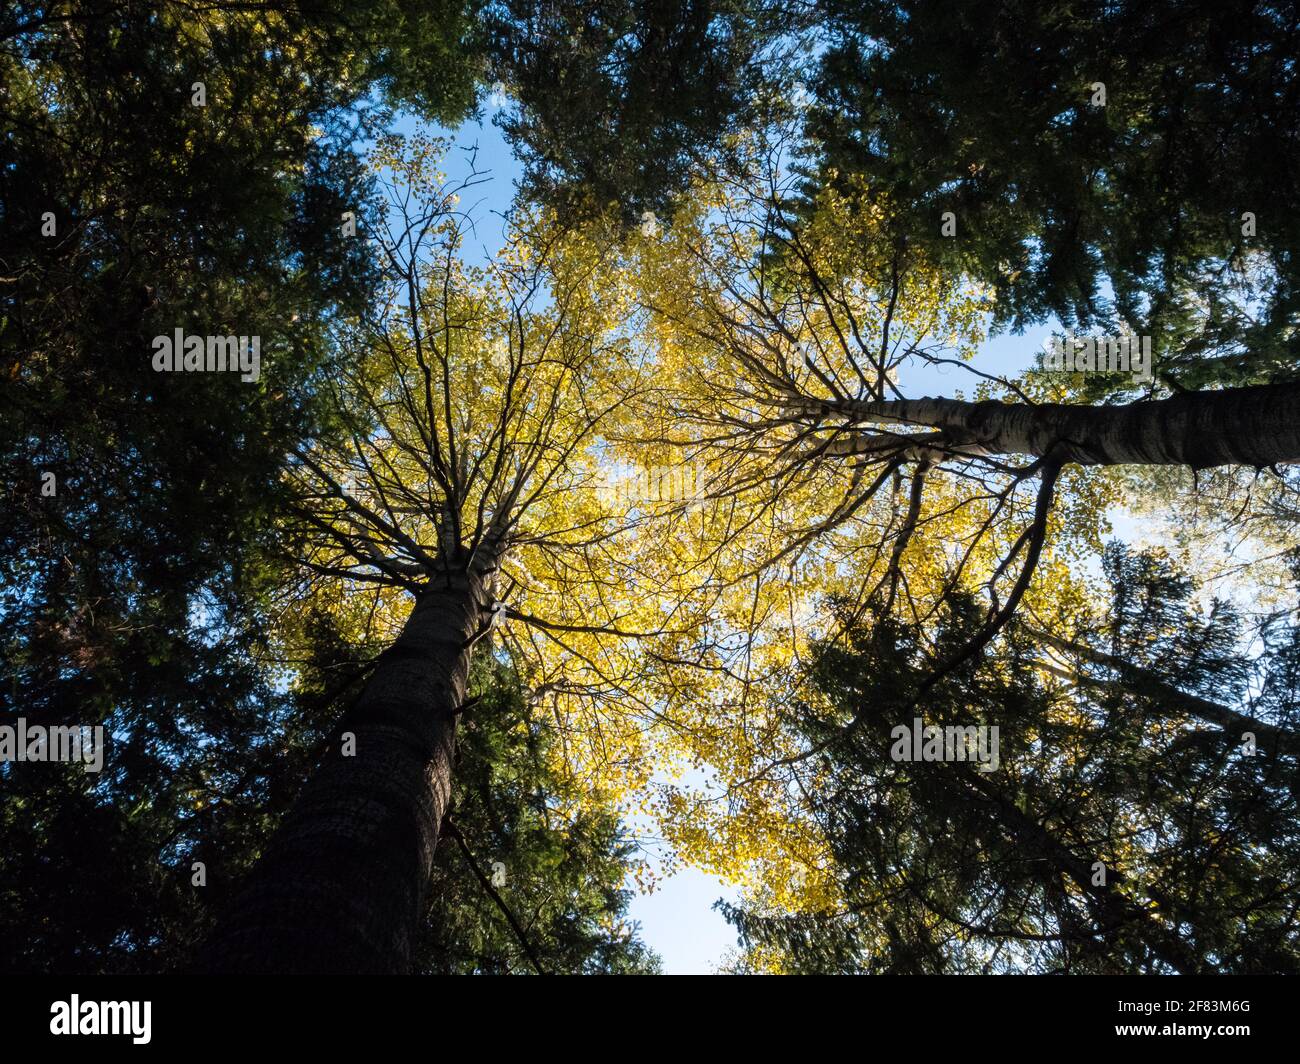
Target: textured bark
x: 342, y: 886
x: 1257, y: 426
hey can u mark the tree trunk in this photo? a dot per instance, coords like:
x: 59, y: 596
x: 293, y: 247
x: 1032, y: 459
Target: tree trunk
x: 342, y: 886
x: 1258, y: 426
x: 1141, y: 681
x: 1123, y: 916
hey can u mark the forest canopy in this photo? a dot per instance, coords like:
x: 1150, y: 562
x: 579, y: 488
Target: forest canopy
x: 723, y: 516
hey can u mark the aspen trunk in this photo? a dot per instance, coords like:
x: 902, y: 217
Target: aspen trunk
x: 342, y: 886
x: 1258, y: 426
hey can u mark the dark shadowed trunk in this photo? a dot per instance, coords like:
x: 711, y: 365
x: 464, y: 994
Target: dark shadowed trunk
x: 1120, y: 915
x: 1141, y: 681
x: 1257, y: 426
x: 341, y: 888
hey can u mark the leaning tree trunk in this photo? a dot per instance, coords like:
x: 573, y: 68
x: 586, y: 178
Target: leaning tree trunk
x: 1121, y: 914
x: 1258, y: 426
x: 342, y: 886
x: 1235, y: 725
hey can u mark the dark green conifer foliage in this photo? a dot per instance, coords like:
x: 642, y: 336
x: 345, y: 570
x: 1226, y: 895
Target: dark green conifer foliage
x: 946, y: 869
x: 1071, y: 207
x: 563, y: 880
